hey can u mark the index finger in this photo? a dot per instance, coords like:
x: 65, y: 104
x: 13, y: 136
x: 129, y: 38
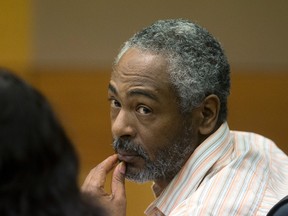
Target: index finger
x: 97, y: 177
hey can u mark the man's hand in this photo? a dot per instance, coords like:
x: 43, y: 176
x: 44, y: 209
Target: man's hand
x: 114, y: 203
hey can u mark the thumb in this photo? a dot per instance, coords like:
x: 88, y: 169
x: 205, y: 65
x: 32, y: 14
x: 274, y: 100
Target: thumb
x: 118, y: 182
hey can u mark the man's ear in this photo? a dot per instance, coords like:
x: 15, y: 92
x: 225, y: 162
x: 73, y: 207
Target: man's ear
x: 209, y: 110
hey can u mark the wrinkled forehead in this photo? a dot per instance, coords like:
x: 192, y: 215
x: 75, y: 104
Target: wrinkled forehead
x: 141, y: 66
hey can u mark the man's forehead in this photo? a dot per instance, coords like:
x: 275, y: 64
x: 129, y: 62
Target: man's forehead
x: 134, y: 57
x: 156, y: 77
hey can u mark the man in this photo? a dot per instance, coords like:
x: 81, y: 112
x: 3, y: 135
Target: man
x: 168, y: 94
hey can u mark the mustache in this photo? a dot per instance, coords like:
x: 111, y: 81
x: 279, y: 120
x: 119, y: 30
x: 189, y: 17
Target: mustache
x: 128, y: 145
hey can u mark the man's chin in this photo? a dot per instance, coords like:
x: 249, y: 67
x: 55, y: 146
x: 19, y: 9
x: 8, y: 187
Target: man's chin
x: 138, y: 176
x: 137, y: 179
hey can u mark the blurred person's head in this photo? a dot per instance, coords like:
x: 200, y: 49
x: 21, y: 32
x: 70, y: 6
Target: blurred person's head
x: 38, y: 164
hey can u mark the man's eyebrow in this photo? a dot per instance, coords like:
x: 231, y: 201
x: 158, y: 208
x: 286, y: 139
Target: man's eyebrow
x: 112, y: 89
x: 134, y: 92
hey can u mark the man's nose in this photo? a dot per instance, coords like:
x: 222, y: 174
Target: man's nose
x: 123, y: 125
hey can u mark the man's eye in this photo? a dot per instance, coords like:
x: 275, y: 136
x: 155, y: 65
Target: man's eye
x: 115, y: 103
x: 143, y: 110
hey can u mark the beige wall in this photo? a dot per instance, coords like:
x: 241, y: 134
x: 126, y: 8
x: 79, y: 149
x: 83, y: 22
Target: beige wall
x: 88, y: 33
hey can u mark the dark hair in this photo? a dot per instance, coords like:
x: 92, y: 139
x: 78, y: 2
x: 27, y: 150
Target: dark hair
x: 38, y: 163
x: 196, y: 61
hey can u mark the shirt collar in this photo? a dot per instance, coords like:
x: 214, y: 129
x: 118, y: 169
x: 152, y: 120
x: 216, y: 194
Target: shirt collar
x: 193, y: 172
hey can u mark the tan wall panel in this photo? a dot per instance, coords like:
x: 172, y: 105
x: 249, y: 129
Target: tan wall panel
x: 15, y: 43
x: 258, y: 103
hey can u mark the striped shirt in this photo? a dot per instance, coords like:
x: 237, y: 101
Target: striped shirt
x: 230, y: 173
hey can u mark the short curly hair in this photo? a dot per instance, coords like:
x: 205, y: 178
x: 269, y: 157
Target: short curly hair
x: 197, y: 64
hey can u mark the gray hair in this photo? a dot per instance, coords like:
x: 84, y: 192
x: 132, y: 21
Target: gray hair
x: 197, y: 64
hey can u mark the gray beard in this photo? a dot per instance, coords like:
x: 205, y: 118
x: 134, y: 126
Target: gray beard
x: 169, y: 160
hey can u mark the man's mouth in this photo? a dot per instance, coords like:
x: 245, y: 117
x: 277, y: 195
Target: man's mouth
x: 128, y: 157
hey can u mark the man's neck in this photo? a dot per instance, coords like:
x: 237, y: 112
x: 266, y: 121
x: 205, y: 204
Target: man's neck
x: 159, y: 186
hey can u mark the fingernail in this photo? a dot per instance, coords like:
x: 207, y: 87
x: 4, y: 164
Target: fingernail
x: 122, y: 168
